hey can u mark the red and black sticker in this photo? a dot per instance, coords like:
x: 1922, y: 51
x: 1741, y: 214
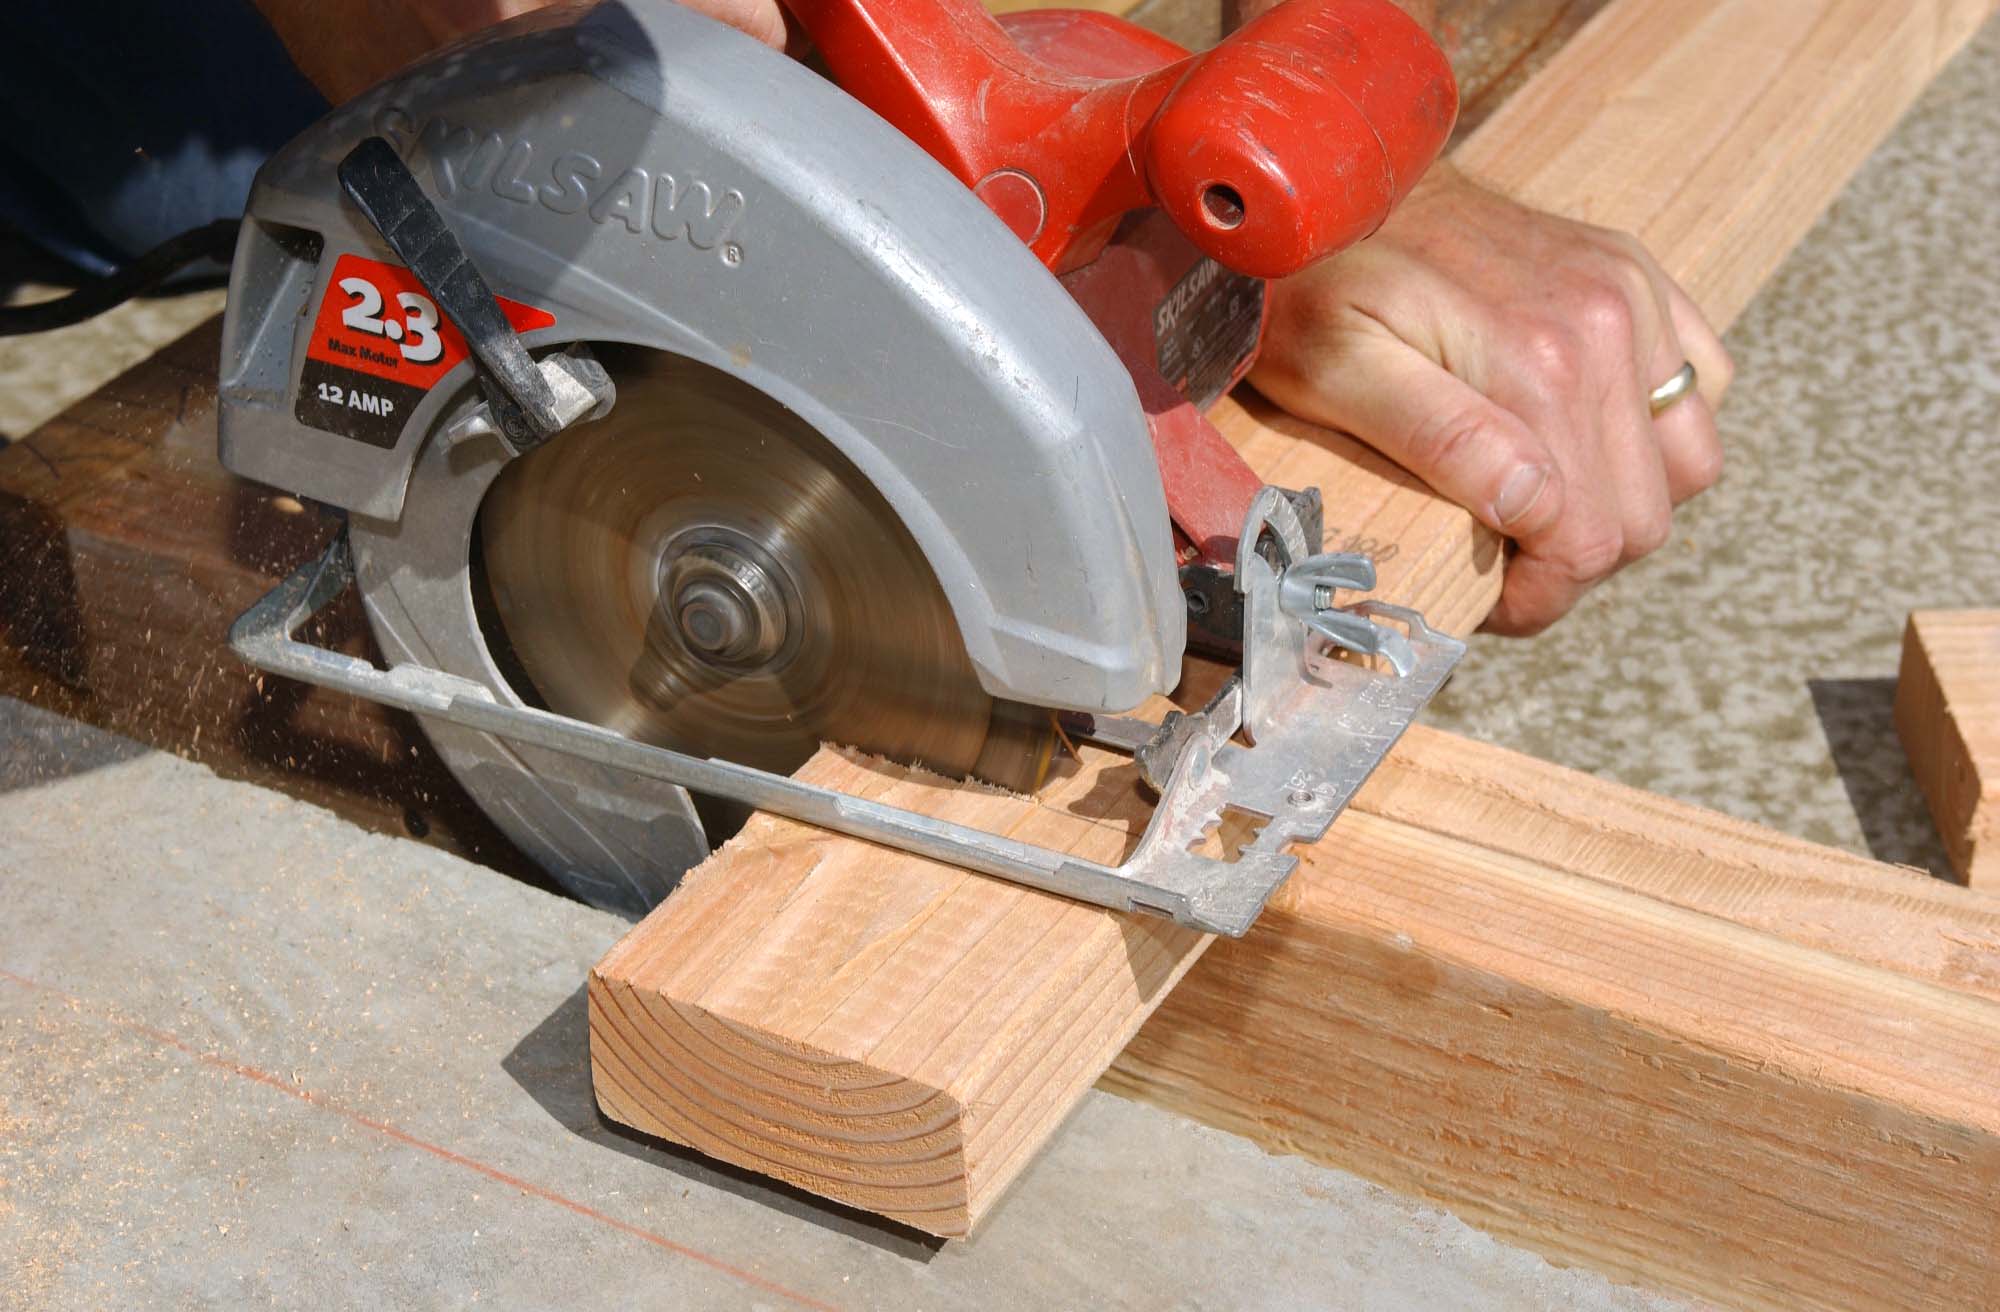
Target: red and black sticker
x: 378, y: 345
x: 1207, y: 329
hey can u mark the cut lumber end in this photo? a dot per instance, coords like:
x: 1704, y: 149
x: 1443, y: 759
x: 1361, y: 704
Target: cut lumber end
x: 1948, y: 716
x: 858, y: 1022
x: 808, y: 1117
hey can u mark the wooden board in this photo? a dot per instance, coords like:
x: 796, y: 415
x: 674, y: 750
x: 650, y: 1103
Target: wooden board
x: 1635, y: 1034
x: 1948, y: 715
x: 1818, y: 897
x: 1496, y: 46
x: 1738, y: 159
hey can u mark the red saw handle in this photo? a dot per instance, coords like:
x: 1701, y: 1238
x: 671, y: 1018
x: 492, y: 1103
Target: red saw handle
x: 1290, y: 140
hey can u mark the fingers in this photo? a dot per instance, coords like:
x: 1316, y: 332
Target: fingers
x: 1640, y: 480
x: 1539, y: 590
x: 1403, y: 404
x: 1690, y: 451
x: 1669, y: 330
x: 1618, y: 509
x: 1626, y: 469
x: 1690, y: 448
x: 1627, y: 339
x: 1693, y: 335
x: 1714, y: 370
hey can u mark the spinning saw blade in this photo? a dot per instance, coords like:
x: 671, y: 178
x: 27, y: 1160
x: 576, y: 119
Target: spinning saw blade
x: 702, y: 570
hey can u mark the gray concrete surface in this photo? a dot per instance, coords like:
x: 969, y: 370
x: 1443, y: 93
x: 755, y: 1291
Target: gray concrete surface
x: 251, y: 1055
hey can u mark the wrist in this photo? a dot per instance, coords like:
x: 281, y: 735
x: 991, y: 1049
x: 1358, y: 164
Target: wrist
x: 1442, y: 178
x: 1447, y: 188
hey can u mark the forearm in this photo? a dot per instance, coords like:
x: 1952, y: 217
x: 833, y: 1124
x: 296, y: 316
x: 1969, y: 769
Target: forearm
x: 1235, y: 13
x: 347, y: 46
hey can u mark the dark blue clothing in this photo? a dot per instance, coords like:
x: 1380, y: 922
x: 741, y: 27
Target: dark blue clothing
x: 128, y: 122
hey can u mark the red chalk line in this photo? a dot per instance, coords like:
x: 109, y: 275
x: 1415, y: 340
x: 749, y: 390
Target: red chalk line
x: 404, y: 1137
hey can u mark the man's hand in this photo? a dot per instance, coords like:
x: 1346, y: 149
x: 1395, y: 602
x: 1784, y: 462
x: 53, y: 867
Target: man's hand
x: 346, y: 47
x: 1505, y: 356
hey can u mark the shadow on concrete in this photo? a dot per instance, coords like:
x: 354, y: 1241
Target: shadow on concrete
x: 1858, y: 718
x: 40, y: 747
x: 552, y: 1064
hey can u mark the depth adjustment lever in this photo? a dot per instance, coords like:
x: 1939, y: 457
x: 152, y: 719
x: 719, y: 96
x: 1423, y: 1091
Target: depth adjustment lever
x: 528, y: 404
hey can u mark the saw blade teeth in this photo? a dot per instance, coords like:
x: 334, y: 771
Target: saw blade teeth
x: 810, y: 616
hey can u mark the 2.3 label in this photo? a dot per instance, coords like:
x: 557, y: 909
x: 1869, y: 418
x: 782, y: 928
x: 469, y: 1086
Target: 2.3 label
x: 419, y: 325
x: 377, y: 344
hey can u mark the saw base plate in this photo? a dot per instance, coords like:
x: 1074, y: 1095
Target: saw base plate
x: 1322, y: 740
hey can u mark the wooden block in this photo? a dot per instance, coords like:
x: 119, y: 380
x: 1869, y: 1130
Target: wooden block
x: 1723, y: 201
x: 913, y: 1113
x: 1948, y: 715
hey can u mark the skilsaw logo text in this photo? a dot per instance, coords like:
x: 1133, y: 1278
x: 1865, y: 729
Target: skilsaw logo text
x: 641, y: 201
x: 1186, y: 294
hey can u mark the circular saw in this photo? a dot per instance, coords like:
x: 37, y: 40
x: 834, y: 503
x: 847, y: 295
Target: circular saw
x: 692, y: 408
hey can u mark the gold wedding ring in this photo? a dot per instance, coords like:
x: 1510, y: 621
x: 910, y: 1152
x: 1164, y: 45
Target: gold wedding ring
x: 1680, y: 385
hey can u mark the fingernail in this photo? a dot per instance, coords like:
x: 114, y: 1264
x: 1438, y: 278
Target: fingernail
x: 1519, y: 494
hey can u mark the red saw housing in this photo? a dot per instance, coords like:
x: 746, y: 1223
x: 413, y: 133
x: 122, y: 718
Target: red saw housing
x: 1128, y: 164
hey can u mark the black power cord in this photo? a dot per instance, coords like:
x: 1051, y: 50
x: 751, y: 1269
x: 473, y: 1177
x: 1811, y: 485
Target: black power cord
x: 215, y: 240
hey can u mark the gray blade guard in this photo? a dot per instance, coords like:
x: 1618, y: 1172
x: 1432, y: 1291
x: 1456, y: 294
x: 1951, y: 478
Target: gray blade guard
x: 646, y: 175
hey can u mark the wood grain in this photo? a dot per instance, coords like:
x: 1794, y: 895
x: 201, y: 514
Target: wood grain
x: 1496, y: 46
x: 819, y: 1072
x: 1948, y: 716
x: 1888, y: 916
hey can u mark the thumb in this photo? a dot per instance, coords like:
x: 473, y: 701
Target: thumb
x: 1403, y: 404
